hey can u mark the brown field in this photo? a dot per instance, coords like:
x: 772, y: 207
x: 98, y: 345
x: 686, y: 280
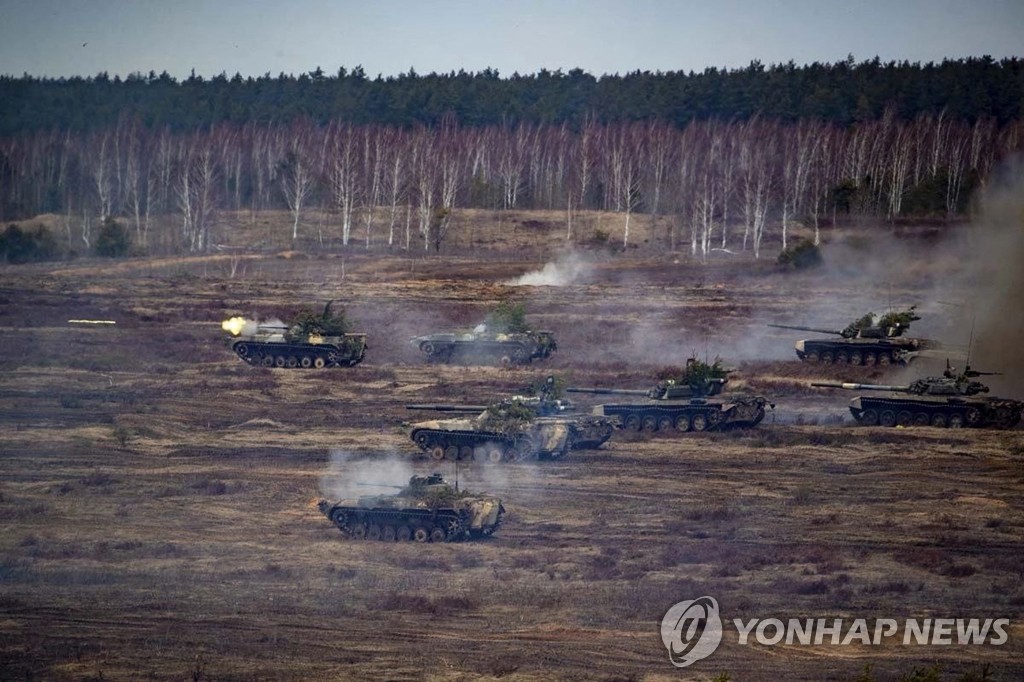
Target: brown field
x: 158, y: 495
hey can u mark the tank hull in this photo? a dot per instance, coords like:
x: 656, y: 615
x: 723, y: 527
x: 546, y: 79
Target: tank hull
x: 346, y: 352
x: 416, y: 525
x: 687, y: 416
x: 545, y: 440
x: 867, y: 352
x: 985, y: 413
x: 506, y: 349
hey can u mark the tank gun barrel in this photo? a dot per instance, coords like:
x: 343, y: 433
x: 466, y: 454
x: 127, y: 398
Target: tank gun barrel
x: 607, y: 391
x: 834, y: 332
x: 858, y: 387
x: 438, y: 407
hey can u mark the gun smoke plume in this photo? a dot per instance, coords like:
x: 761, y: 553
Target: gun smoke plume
x: 997, y: 297
x: 568, y: 268
x: 350, y: 476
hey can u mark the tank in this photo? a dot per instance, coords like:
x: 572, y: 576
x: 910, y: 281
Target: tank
x: 508, y: 348
x: 951, y: 400
x: 586, y: 431
x: 865, y: 341
x: 505, y: 431
x: 429, y: 509
x: 682, y: 403
x: 311, y: 340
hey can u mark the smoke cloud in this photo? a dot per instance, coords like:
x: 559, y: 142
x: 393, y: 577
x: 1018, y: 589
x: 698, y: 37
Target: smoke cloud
x: 350, y: 476
x: 567, y: 269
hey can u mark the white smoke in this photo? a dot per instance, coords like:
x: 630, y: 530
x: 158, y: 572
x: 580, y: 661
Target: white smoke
x: 350, y: 476
x: 564, y: 270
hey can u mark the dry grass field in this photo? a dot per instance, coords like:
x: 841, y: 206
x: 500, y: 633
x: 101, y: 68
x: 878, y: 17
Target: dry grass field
x: 157, y: 497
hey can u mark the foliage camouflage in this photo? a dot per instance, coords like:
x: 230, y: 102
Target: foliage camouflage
x: 696, y: 374
x: 803, y: 253
x: 332, y: 322
x: 114, y: 239
x: 23, y: 246
x: 509, y: 317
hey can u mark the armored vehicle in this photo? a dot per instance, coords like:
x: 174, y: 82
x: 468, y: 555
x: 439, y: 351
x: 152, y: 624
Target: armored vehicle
x: 586, y: 431
x: 864, y: 341
x: 509, y: 348
x: 504, y: 431
x: 948, y: 401
x: 428, y: 509
x: 310, y: 341
x: 681, y: 403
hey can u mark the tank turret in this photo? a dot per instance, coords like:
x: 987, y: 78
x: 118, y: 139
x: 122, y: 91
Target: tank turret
x: 680, y: 402
x: 311, y: 340
x: 940, y: 401
x: 428, y: 509
x: 864, y: 341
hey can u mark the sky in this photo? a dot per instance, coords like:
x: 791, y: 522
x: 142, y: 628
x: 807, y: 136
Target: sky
x: 57, y: 38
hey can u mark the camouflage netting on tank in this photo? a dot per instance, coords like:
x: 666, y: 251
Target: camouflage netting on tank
x: 898, y: 320
x: 507, y: 417
x: 865, y: 322
x: 549, y: 388
x: 696, y: 374
x: 508, y: 318
x: 332, y: 322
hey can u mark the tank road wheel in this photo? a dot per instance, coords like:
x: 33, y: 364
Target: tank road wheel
x: 842, y: 358
x: 884, y: 359
x: 465, y: 453
x: 665, y: 424
x: 242, y: 349
x: 319, y: 362
x: 388, y: 534
x: 699, y: 421
x: 420, y: 534
x: 525, y: 447
x: 939, y: 420
x: 870, y: 359
x: 306, y: 362
x: 437, y: 535
x: 649, y: 423
x: 856, y: 358
x: 267, y: 361
x: 373, y: 532
x: 279, y: 361
x: 632, y: 422
x: 403, y: 534
x: 869, y: 417
x: 887, y: 418
x: 956, y: 421
x: 358, y: 531
x: 922, y: 419
x: 495, y: 453
x: 338, y: 518
x: 812, y: 356
x: 451, y: 452
x: 421, y: 438
x: 292, y: 362
x: 683, y: 423
x: 973, y: 416
x: 826, y: 357
x: 480, y: 453
x: 904, y: 418
x: 428, y: 348
x: 437, y: 452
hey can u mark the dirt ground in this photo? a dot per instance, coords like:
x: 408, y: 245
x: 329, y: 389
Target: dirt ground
x: 158, y: 495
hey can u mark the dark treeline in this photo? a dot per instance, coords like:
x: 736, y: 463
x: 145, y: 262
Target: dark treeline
x: 842, y: 93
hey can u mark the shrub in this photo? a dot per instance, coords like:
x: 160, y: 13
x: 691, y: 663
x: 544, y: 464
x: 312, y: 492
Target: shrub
x: 113, y: 240
x: 19, y: 246
x: 800, y: 254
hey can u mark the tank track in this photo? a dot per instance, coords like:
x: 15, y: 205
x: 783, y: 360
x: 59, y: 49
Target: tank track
x: 840, y: 353
x: 478, y: 446
x: 292, y: 355
x: 996, y: 413
x: 684, y: 418
x: 414, y: 525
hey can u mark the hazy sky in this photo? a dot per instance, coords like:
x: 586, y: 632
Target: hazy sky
x: 253, y: 37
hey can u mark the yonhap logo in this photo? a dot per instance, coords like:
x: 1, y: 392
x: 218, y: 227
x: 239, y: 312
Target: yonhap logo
x: 691, y: 630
